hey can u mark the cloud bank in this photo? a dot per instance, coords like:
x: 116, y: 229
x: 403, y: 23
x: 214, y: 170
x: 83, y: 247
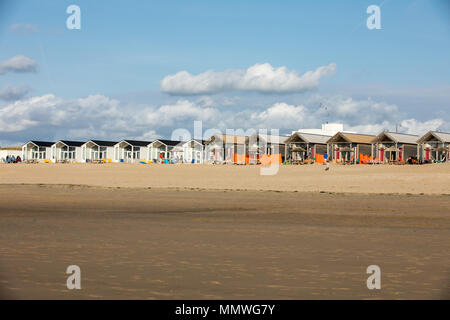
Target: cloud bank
x: 18, y: 64
x: 14, y: 93
x: 97, y: 116
x: 258, y: 78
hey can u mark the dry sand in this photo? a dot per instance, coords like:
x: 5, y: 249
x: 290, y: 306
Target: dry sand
x: 170, y: 242
x: 427, y: 179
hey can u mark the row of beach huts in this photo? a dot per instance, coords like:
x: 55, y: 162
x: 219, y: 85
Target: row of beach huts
x: 330, y: 143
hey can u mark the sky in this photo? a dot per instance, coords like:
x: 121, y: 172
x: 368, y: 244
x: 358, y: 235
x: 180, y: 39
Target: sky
x: 142, y: 69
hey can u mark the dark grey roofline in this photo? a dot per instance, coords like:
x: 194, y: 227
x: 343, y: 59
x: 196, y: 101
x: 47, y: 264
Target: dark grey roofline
x: 72, y: 143
x: 104, y: 143
x: 41, y: 143
x: 137, y: 143
x: 169, y: 142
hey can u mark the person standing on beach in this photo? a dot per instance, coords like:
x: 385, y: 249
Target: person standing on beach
x: 327, y: 165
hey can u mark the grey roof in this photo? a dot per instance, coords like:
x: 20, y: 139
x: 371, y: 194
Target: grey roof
x: 41, y: 143
x: 441, y: 136
x: 103, y: 143
x: 397, y: 137
x: 71, y: 143
x: 137, y: 143
x: 270, y: 138
x: 310, y: 137
x: 168, y: 142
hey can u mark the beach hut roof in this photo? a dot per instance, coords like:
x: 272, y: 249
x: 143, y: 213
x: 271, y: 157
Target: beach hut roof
x: 103, y: 143
x: 168, y: 142
x: 435, y: 136
x: 136, y: 143
x: 40, y: 143
x: 351, y: 138
x: 226, y: 138
x: 270, y: 138
x: 192, y: 141
x: 396, y: 137
x: 308, y: 138
x: 70, y: 143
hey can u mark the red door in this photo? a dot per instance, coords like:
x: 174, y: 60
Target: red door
x: 427, y: 154
x: 382, y: 154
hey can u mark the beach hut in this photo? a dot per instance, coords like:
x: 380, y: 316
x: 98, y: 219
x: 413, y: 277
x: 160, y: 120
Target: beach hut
x: 265, y: 148
x: 434, y: 146
x: 38, y: 151
x: 224, y: 148
x: 131, y: 151
x: 162, y: 149
x: 307, y: 146
x: 193, y: 151
x: 67, y: 151
x: 349, y: 147
x: 98, y: 150
x: 391, y: 146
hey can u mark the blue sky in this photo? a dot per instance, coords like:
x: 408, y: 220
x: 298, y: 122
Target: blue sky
x: 125, y: 48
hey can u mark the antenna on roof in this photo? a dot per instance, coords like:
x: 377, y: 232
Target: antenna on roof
x: 397, y: 125
x: 321, y: 105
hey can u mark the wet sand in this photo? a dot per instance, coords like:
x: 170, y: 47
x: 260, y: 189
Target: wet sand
x: 169, y: 243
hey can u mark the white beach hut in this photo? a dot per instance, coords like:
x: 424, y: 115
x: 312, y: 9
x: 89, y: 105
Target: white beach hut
x: 37, y: 151
x: 194, y: 151
x: 131, y: 151
x: 163, y: 149
x: 67, y: 151
x: 98, y: 150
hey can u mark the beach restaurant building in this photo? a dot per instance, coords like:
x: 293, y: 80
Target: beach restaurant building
x: 225, y: 148
x: 307, y: 146
x: 131, y: 151
x: 391, y: 146
x: 37, y: 150
x: 434, y: 146
x: 347, y: 147
x: 162, y: 149
x: 265, y: 148
x: 98, y: 150
x: 66, y: 150
x: 194, y: 151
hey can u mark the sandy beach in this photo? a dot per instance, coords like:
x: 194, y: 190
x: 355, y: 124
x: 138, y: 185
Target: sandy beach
x: 386, y: 179
x: 224, y: 232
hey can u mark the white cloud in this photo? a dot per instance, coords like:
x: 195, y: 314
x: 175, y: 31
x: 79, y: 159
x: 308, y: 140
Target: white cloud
x: 98, y: 116
x: 14, y: 93
x: 182, y: 110
x: 280, y: 115
x: 417, y: 127
x: 19, y: 64
x: 259, y: 77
